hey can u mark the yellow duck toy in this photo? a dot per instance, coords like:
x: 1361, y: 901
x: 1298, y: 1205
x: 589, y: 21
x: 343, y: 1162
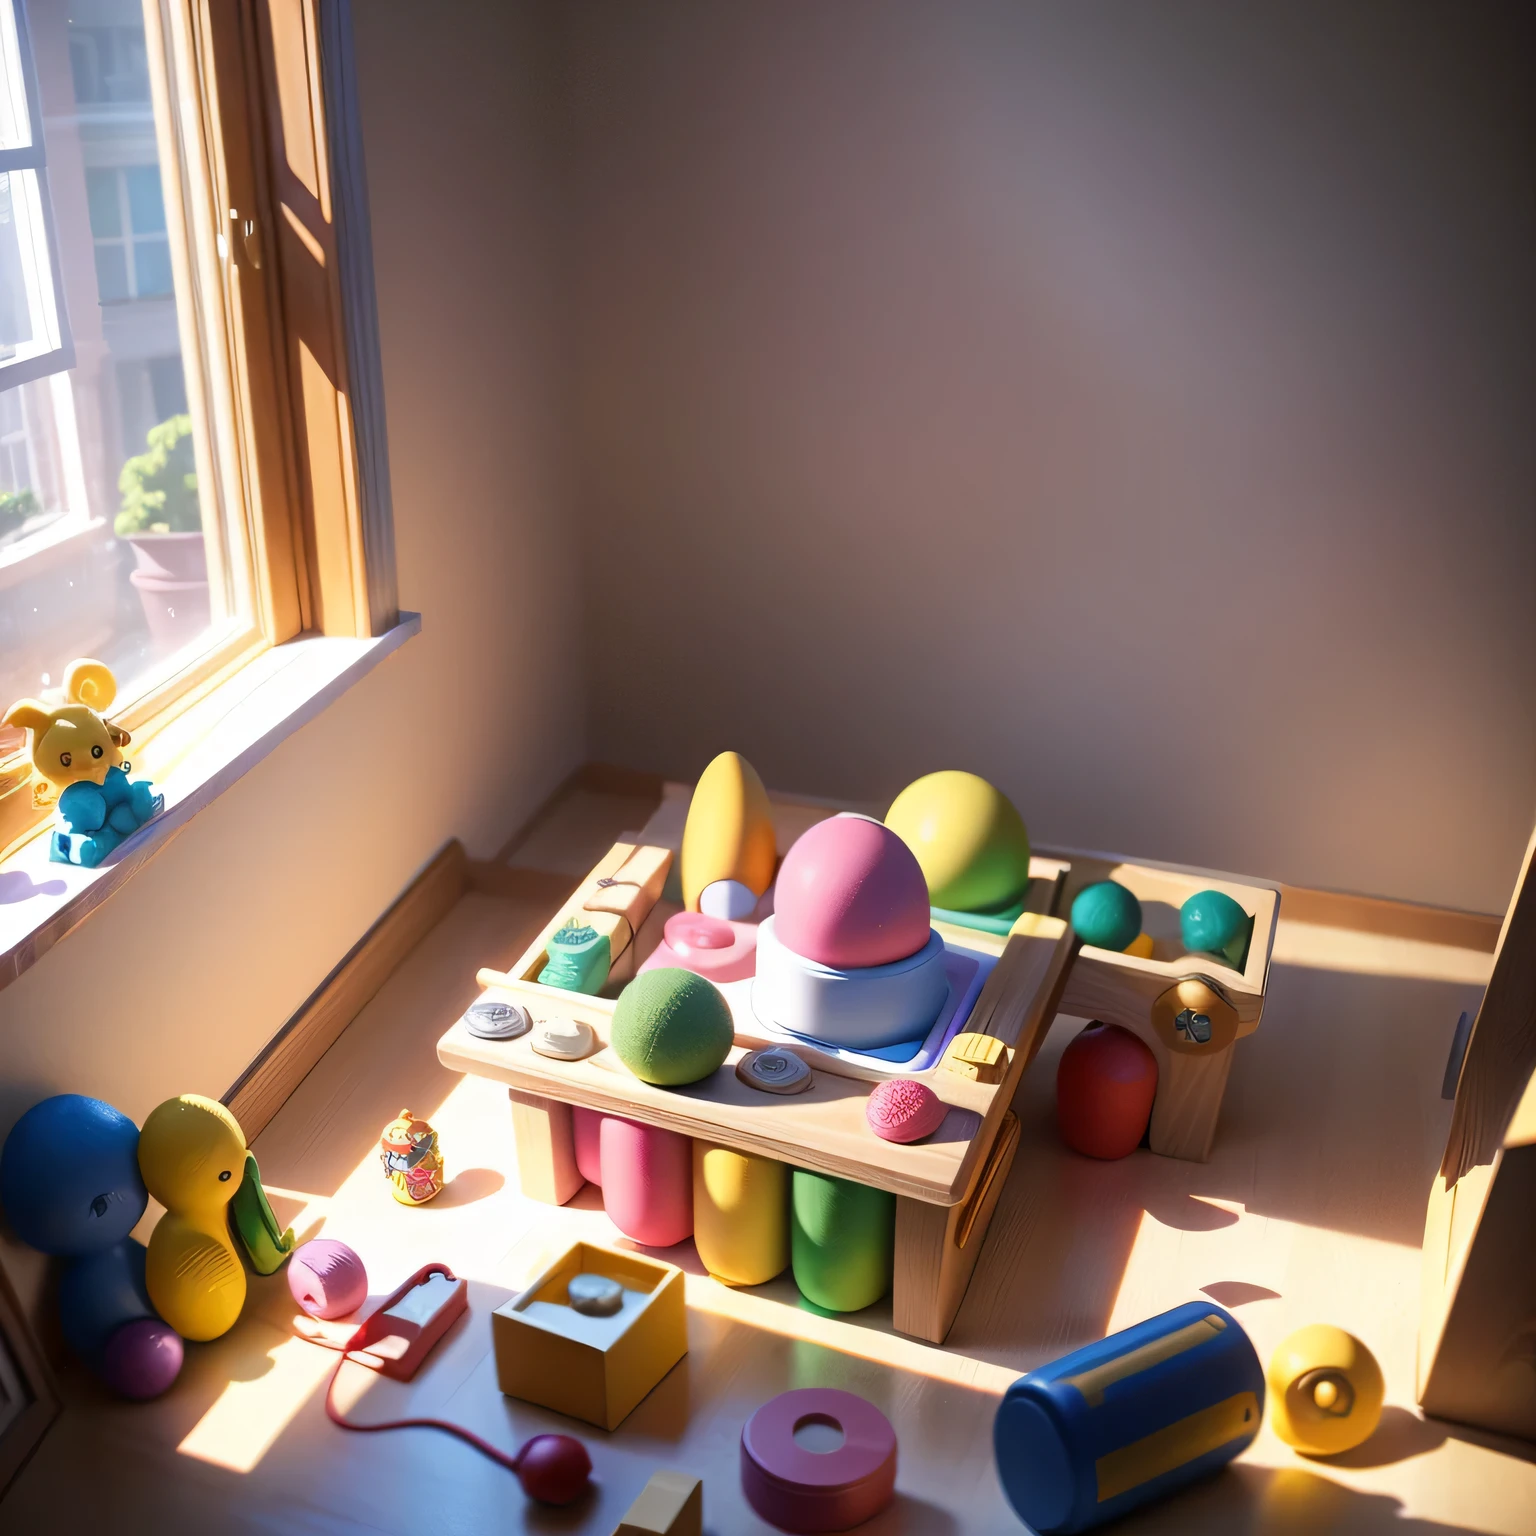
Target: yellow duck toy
x: 194, y: 1160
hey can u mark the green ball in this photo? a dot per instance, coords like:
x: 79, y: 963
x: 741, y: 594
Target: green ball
x: 671, y: 1027
x: 1106, y: 915
x: 1211, y: 921
x: 842, y: 1240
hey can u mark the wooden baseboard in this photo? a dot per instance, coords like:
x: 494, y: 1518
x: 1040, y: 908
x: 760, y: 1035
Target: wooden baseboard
x: 262, y: 1088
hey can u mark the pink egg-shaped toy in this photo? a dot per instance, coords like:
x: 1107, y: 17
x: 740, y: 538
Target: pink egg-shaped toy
x: 850, y: 893
x: 902, y: 1110
x: 327, y: 1278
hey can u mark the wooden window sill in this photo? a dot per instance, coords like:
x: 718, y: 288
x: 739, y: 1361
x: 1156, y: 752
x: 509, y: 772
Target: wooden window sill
x: 193, y: 760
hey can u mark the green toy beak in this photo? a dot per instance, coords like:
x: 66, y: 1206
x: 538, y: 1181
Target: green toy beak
x: 266, y: 1244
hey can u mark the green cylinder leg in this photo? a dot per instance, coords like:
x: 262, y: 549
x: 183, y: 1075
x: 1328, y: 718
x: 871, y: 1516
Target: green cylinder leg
x: 842, y: 1241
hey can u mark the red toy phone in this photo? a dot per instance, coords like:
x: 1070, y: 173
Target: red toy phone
x: 399, y: 1335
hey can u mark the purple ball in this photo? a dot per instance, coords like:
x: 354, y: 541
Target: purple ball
x: 142, y: 1359
x: 327, y: 1278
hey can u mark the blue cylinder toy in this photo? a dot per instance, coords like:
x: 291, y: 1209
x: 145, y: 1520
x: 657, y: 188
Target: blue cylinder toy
x: 1127, y: 1420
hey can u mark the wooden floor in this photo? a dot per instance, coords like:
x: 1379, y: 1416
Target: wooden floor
x: 1311, y: 1209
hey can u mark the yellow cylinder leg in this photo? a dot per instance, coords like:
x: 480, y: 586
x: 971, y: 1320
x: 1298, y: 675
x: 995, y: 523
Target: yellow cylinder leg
x: 740, y: 1214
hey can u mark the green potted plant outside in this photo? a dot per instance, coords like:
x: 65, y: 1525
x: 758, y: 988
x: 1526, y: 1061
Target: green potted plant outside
x: 161, y: 519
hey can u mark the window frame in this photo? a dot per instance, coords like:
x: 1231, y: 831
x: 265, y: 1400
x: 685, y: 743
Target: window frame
x: 34, y: 157
x: 282, y: 323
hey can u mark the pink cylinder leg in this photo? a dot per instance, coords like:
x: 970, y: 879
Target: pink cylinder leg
x: 585, y: 1127
x: 801, y: 1489
x: 647, y: 1181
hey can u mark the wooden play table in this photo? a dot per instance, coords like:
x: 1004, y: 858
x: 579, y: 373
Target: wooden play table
x: 946, y: 1187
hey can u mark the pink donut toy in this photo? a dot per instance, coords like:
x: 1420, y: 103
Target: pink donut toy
x: 647, y: 1181
x: 900, y: 1109
x: 851, y: 894
x: 714, y: 947
x: 802, y: 1489
x: 586, y: 1130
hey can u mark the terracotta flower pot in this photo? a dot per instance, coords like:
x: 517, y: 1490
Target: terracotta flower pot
x: 171, y: 577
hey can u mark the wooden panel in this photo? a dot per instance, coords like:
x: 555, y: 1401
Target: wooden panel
x: 262, y: 1088
x: 19, y: 1438
x: 546, y: 1148
x: 1501, y: 1053
x: 314, y: 312
x: 1477, y: 1329
x: 937, y: 1246
x: 359, y: 310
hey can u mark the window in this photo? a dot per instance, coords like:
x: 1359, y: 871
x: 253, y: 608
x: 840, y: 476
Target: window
x: 133, y: 256
x: 186, y: 475
x: 34, y: 337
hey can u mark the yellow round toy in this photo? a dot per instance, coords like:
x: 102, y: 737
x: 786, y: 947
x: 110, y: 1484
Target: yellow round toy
x: 1325, y: 1391
x: 969, y: 840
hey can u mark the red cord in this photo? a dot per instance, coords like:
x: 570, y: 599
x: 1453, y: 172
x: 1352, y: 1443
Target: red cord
x: 511, y: 1463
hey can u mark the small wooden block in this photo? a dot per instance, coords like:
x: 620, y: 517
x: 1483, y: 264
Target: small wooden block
x: 982, y: 1058
x: 671, y: 1504
x: 546, y: 1150
x: 634, y: 888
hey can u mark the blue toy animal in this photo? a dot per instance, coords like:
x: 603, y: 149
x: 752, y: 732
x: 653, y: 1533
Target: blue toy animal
x: 70, y: 1185
x: 77, y: 755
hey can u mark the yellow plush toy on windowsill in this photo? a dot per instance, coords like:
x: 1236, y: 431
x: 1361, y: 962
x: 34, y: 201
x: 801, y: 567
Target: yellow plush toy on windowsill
x: 77, y: 759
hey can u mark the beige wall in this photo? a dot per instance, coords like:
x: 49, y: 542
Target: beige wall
x: 178, y: 981
x: 1132, y: 403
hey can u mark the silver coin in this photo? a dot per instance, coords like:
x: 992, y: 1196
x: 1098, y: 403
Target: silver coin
x: 774, y: 1070
x: 491, y: 1020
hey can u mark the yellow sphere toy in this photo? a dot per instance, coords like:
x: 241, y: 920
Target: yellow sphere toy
x: 1325, y: 1391
x: 969, y: 840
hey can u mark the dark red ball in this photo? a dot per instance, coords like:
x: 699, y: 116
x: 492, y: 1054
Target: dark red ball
x: 553, y: 1468
x: 1105, y: 1085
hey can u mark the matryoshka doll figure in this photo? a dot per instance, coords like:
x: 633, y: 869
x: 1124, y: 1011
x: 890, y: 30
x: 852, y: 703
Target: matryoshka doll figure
x: 408, y: 1149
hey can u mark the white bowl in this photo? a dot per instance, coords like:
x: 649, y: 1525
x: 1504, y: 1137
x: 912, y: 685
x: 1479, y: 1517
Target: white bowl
x: 861, y: 1009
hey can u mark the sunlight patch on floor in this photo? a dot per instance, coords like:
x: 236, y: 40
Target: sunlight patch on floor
x: 248, y: 1416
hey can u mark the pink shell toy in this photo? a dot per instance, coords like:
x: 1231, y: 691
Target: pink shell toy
x: 327, y: 1278
x: 713, y: 947
x: 850, y: 894
x: 808, y: 1487
x: 902, y: 1110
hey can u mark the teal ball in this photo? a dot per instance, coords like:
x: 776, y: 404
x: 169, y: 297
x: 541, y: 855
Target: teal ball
x: 671, y: 1027
x: 1106, y: 915
x: 1212, y: 922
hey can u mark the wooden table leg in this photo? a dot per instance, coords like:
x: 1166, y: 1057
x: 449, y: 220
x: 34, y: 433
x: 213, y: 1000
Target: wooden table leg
x: 937, y: 1245
x: 546, y: 1148
x: 1188, y: 1103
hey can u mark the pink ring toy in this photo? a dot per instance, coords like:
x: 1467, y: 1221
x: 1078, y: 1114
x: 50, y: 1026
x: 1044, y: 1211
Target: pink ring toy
x: 713, y: 947
x: 802, y: 1490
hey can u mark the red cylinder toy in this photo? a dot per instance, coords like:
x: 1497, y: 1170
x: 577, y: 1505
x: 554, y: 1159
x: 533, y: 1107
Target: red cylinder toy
x: 1105, y: 1085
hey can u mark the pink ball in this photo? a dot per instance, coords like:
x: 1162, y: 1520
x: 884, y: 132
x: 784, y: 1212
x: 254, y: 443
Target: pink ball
x: 902, y: 1110
x: 142, y: 1358
x: 327, y: 1278
x: 850, y: 893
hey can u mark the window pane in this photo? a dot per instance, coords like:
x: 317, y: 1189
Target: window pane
x: 111, y: 273
x: 15, y: 116
x: 152, y: 267
x: 146, y: 212
x: 106, y: 207
x: 110, y: 540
